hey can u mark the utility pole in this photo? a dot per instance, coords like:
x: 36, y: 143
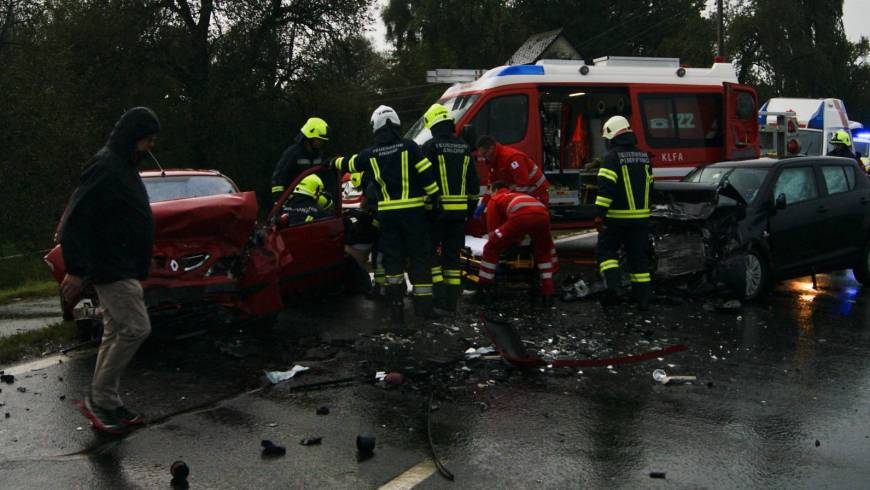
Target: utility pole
x: 721, y: 36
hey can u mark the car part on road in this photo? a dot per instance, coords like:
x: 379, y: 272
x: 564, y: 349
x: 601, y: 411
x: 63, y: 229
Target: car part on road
x: 311, y: 441
x: 179, y: 470
x: 324, y: 410
x: 81, y: 345
x: 7, y: 378
x: 271, y: 449
x: 509, y: 344
x: 662, y: 377
x: 438, y: 464
x: 365, y: 446
x: 657, y: 474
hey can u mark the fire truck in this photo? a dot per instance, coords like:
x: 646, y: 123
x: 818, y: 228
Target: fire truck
x: 553, y: 110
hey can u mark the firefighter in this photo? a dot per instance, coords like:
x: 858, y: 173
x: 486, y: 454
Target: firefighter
x: 456, y: 175
x: 510, y: 216
x: 304, y: 153
x: 624, y: 187
x: 403, y: 177
x: 361, y: 231
x: 309, y: 202
x: 514, y: 167
x: 842, y: 144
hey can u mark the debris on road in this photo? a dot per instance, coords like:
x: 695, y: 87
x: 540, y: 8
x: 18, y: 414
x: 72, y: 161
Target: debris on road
x: 311, y: 441
x: 365, y: 446
x: 179, y: 471
x: 324, y: 410
x: 394, y: 378
x: 272, y: 449
x: 7, y: 378
x: 473, y: 353
x: 662, y: 377
x: 22, y: 389
x: 657, y: 474
x: 276, y: 377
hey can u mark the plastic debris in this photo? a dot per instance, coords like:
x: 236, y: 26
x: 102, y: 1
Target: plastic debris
x: 472, y: 353
x: 275, y: 377
x: 818, y: 443
x: 179, y: 471
x: 657, y: 474
x: 380, y: 375
x: 365, y: 445
x: 324, y: 410
x: 394, y: 378
x: 7, y: 378
x: 311, y: 441
x: 272, y: 449
x: 22, y: 389
x: 662, y: 377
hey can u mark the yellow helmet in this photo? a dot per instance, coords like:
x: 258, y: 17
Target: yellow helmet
x: 356, y: 179
x: 316, y: 128
x: 436, y: 114
x: 310, y: 186
x: 325, y: 202
x: 841, y: 137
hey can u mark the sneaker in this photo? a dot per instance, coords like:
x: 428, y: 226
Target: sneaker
x: 128, y: 417
x: 101, y: 419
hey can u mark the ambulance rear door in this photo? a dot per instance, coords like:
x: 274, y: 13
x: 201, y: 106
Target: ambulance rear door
x: 741, y: 122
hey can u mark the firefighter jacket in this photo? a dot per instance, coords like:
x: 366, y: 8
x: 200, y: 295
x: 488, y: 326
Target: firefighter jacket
x: 303, y: 209
x: 295, y: 159
x: 519, y: 171
x: 624, y: 181
x: 402, y: 175
x: 504, y: 204
x: 454, y: 168
x: 844, y: 152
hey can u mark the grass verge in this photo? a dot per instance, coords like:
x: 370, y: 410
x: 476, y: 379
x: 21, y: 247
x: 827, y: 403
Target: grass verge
x: 30, y: 289
x: 36, y: 342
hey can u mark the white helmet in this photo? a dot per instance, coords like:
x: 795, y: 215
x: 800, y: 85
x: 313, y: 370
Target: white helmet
x: 615, y: 126
x: 383, y: 114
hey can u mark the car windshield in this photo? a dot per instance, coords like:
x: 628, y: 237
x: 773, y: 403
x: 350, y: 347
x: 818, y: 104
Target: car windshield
x: 747, y: 181
x: 457, y: 106
x: 186, y: 186
x: 811, y: 141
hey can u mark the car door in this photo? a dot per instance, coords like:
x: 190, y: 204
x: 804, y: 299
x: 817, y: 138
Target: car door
x: 794, y: 231
x: 311, y: 254
x: 845, y: 211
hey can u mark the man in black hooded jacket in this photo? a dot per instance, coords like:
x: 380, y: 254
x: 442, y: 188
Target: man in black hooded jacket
x: 107, y: 235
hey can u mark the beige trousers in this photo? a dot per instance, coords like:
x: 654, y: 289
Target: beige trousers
x: 125, y: 327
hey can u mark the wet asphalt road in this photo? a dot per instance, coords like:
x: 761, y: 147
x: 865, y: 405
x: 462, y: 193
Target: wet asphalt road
x: 773, y: 379
x: 26, y: 315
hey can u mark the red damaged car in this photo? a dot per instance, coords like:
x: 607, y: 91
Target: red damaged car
x: 212, y: 261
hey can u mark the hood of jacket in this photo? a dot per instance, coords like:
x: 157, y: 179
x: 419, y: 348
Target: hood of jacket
x: 135, y: 124
x: 387, y: 134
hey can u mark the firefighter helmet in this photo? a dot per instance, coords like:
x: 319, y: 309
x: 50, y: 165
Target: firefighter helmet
x: 316, y: 128
x: 436, y: 114
x: 841, y: 137
x: 309, y: 186
x: 384, y: 115
x: 615, y: 126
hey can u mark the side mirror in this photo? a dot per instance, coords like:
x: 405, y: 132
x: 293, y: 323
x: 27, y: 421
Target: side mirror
x: 780, y: 202
x: 469, y: 135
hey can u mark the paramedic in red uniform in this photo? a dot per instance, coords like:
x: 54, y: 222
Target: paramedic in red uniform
x: 510, y: 216
x: 514, y: 167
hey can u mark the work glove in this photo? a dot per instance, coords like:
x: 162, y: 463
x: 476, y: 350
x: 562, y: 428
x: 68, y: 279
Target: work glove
x: 478, y: 212
x: 599, y: 224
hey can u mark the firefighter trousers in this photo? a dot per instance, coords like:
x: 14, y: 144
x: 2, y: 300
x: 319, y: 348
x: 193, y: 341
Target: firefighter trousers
x: 633, y: 234
x: 448, y: 235
x: 404, y: 236
x: 537, y: 226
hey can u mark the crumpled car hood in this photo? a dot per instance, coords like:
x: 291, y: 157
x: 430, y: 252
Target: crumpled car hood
x: 230, y: 217
x: 689, y: 201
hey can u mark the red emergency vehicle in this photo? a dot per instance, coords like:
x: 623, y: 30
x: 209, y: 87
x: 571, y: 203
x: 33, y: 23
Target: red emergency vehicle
x: 553, y: 111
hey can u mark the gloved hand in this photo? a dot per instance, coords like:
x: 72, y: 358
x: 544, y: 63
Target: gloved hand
x: 599, y: 224
x: 437, y: 206
x: 478, y: 212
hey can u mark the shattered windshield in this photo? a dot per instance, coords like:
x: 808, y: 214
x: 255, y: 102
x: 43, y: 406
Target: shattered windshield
x: 458, y: 106
x: 186, y: 186
x: 747, y: 181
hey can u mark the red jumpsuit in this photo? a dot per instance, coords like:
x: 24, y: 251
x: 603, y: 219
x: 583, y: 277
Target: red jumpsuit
x: 510, y: 216
x: 520, y: 172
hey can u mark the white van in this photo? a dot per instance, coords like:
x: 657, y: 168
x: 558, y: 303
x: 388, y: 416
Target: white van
x: 818, y: 120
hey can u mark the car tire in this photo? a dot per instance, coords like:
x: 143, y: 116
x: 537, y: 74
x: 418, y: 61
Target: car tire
x: 757, y: 276
x: 89, y: 329
x: 862, y: 269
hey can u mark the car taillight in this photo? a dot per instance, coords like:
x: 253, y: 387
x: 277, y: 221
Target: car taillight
x: 793, y: 147
x: 792, y: 128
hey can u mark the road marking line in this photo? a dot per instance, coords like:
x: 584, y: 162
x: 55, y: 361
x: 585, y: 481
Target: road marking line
x: 412, y: 477
x: 45, y: 362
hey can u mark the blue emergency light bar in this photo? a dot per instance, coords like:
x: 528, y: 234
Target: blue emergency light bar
x: 862, y: 135
x: 521, y: 70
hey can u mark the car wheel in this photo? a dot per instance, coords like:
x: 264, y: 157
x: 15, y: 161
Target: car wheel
x: 862, y: 269
x: 89, y: 329
x: 756, y: 276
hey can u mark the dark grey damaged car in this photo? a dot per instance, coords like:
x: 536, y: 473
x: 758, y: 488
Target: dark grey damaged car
x: 742, y: 226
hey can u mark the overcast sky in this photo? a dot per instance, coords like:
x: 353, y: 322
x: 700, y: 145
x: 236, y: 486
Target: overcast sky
x: 856, y: 21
